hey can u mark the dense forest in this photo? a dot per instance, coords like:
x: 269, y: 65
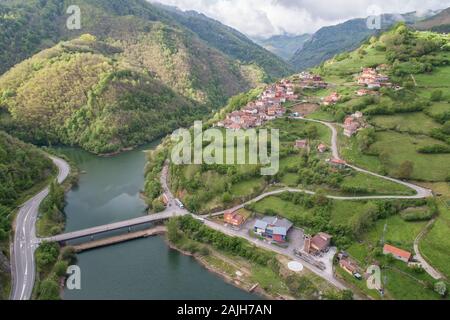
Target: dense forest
x: 29, y: 26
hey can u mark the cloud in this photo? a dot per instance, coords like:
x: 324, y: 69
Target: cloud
x: 264, y: 18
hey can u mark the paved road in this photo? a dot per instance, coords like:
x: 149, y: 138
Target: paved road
x: 420, y: 191
x: 26, y: 242
x: 326, y: 274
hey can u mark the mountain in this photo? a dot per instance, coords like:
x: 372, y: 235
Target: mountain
x: 437, y: 23
x: 284, y: 46
x: 344, y: 37
x: 228, y: 40
x: 32, y: 25
x: 130, y: 75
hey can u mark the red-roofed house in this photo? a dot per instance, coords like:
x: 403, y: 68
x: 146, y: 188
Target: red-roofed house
x: 317, y: 244
x: 399, y: 254
x: 322, y: 148
x: 332, y: 99
x: 301, y: 144
x: 234, y: 219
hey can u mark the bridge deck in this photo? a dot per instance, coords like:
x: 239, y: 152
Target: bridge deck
x: 115, y: 226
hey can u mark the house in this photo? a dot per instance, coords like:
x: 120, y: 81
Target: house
x: 338, y: 163
x: 320, y: 243
x: 322, y: 148
x: 301, y: 144
x: 234, y: 219
x: 353, y: 123
x: 348, y: 266
x: 332, y: 99
x: 273, y: 228
x: 398, y: 254
x: 364, y: 92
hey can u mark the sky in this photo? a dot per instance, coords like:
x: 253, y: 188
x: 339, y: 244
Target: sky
x: 265, y: 18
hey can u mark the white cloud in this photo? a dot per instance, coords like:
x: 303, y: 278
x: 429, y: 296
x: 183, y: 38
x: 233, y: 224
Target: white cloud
x: 265, y: 18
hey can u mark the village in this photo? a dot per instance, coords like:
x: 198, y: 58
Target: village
x: 313, y: 249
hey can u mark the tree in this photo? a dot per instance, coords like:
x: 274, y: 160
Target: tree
x: 49, y: 290
x: 406, y: 169
x: 68, y: 254
x: 60, y: 268
x: 441, y: 288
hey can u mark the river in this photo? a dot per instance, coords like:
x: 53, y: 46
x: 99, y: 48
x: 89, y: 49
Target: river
x: 108, y: 191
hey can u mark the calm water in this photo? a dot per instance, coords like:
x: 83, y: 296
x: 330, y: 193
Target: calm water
x: 140, y: 269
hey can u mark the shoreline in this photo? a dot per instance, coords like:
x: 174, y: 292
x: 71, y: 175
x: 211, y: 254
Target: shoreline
x: 258, y: 291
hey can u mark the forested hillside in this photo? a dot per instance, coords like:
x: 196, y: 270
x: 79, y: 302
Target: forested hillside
x: 31, y: 25
x: 21, y: 168
x: 85, y: 93
x: 130, y: 66
x: 229, y: 41
x: 344, y: 37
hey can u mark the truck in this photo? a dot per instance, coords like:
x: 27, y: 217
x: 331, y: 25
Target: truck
x: 179, y: 203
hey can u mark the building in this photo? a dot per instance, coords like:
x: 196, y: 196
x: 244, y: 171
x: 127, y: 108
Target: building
x: 353, y: 123
x: 165, y: 199
x: 348, y: 266
x: 273, y: 228
x: 332, y: 99
x: 301, y: 144
x: 398, y: 254
x: 322, y: 148
x: 320, y: 243
x: 338, y: 163
x: 234, y: 219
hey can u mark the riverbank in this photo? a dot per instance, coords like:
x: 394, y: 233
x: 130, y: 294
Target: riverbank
x: 250, y: 268
x: 222, y: 268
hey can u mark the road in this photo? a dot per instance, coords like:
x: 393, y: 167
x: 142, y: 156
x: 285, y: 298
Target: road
x: 167, y: 214
x: 326, y: 274
x: 420, y: 191
x: 25, y: 240
x: 425, y: 265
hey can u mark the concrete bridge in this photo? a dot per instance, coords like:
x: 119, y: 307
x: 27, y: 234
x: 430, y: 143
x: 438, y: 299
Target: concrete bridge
x: 117, y: 225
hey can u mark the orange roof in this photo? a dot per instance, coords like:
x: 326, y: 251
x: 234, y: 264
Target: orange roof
x: 397, y: 252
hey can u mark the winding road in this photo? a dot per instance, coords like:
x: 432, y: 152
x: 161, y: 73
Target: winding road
x: 26, y: 241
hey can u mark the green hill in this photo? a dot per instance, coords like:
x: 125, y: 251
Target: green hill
x: 411, y: 122
x: 230, y: 41
x: 130, y: 66
x: 29, y: 26
x: 88, y: 93
x: 22, y: 167
x: 344, y: 37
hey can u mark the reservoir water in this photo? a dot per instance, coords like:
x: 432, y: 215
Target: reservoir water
x: 107, y: 192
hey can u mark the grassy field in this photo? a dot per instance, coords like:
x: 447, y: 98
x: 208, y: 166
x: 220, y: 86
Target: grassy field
x: 399, y: 148
x: 375, y: 185
x: 417, y: 123
x: 436, y: 79
x: 435, y: 246
x: 283, y: 208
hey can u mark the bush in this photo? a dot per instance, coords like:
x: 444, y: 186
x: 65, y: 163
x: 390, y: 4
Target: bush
x: 436, y: 95
x: 434, y: 149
